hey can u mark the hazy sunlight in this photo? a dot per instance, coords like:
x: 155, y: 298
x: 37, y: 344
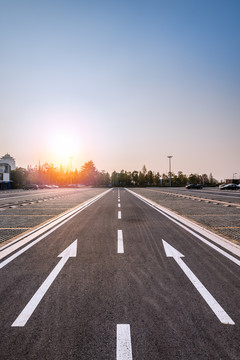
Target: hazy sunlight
x: 63, y: 146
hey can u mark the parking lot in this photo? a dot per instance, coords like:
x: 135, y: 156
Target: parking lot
x: 217, y: 210
x: 21, y: 211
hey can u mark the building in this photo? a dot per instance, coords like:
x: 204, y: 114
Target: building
x: 233, y: 181
x: 8, y: 159
x: 7, y: 163
x: 5, y: 181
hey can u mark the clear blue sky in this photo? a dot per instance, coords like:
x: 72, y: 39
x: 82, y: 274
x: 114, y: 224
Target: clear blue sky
x: 122, y: 83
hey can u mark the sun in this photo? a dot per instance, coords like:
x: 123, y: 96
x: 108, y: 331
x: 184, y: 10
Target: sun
x: 63, y: 146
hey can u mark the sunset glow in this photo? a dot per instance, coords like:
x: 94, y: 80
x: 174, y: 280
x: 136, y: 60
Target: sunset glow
x: 63, y: 146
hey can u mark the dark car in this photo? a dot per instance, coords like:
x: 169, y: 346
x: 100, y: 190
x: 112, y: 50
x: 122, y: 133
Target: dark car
x: 30, y: 187
x: 44, y: 187
x: 229, y: 187
x: 194, y: 186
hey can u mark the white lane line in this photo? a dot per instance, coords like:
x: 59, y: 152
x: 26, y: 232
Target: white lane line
x: 53, y: 225
x: 210, y: 300
x: 235, y: 249
x: 119, y: 215
x: 70, y: 251
x: 124, y: 345
x: 120, y: 242
x: 119, y: 205
x: 118, y: 200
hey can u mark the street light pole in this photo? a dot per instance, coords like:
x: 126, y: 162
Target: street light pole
x: 70, y: 158
x: 170, y: 173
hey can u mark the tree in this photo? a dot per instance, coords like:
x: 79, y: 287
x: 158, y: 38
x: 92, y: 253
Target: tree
x: 114, y: 178
x: 181, y: 179
x: 157, y: 180
x: 144, y: 170
x: 124, y: 178
x: 103, y: 178
x: 19, y: 177
x: 75, y: 177
x: 204, y: 179
x: 88, y: 173
x: 212, y: 181
x: 165, y: 180
x: 135, y: 179
x: 193, y: 178
x: 174, y: 179
x: 142, y: 179
x: 149, y: 178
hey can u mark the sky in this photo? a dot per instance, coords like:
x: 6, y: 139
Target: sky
x: 122, y: 83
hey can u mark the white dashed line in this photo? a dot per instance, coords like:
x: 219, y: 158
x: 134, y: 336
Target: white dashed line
x: 124, y: 346
x: 120, y: 242
x: 119, y: 215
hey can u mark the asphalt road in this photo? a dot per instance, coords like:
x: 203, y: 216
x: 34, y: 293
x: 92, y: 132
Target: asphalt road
x: 121, y: 297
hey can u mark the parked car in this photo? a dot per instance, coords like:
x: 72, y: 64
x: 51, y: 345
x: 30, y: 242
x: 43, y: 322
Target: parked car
x: 30, y: 187
x: 194, y: 186
x: 229, y: 187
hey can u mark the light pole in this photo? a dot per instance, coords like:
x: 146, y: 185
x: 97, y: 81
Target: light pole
x: 170, y: 156
x: 71, y: 158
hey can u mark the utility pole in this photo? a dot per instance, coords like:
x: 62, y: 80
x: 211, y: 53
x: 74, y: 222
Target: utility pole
x: 170, y: 173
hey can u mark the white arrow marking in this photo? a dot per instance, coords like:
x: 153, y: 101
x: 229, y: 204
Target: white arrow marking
x: 124, y: 346
x: 70, y: 251
x: 214, y: 305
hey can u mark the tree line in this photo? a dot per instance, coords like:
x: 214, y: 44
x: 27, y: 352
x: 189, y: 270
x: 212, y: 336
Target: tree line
x: 88, y: 175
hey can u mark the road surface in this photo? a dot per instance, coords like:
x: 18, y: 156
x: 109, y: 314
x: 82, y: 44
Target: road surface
x: 119, y: 280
